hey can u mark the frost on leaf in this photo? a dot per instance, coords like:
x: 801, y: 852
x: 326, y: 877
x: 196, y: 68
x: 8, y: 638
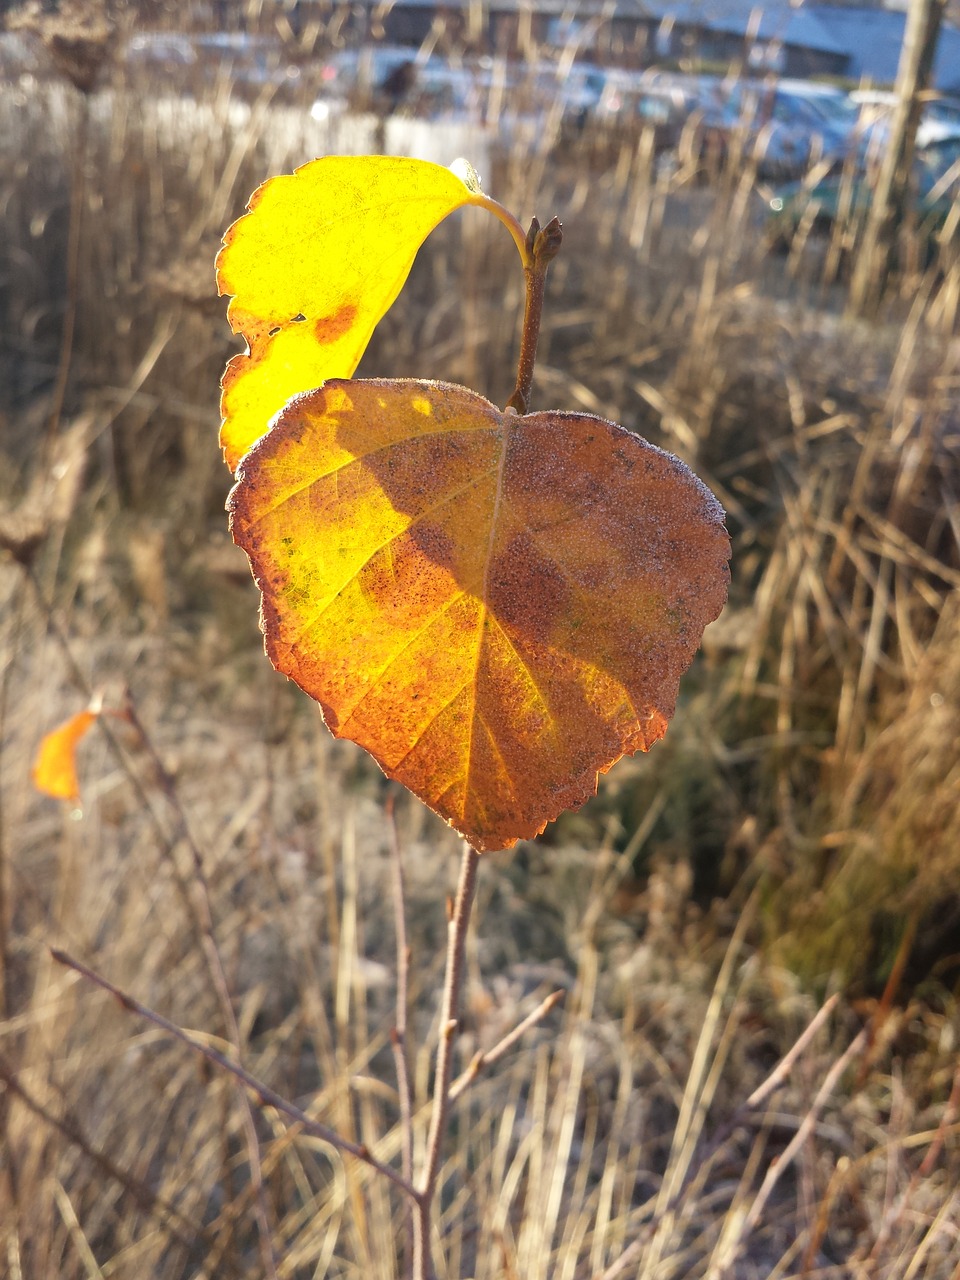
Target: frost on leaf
x: 313, y: 267
x: 497, y: 607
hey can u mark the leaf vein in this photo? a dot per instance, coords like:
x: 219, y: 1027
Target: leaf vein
x: 500, y: 756
x: 484, y: 591
x: 429, y: 725
x: 526, y: 671
x: 335, y: 471
x: 395, y: 657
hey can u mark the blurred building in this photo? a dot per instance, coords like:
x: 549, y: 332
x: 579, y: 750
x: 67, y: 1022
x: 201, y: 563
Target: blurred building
x: 850, y: 41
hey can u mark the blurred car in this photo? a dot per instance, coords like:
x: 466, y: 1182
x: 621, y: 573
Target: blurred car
x: 159, y: 49
x: 558, y: 93
x: 522, y: 101
x: 443, y: 91
x: 936, y: 186
x: 785, y: 126
x: 940, y: 118
x: 829, y: 112
x: 378, y: 76
x: 244, y: 59
x: 246, y: 62
x: 632, y: 99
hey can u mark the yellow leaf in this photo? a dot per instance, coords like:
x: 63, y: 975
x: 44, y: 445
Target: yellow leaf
x: 313, y: 267
x: 496, y: 606
x: 55, y: 768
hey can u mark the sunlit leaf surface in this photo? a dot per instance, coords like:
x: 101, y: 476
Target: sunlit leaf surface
x: 55, y: 768
x: 313, y: 267
x: 496, y: 607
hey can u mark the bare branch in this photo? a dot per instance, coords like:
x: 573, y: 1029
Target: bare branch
x: 398, y: 1038
x: 456, y: 938
x: 185, y: 1232
x: 266, y: 1095
x: 483, y: 1060
x: 777, y: 1168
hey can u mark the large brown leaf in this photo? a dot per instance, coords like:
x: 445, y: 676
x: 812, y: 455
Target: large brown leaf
x: 497, y: 607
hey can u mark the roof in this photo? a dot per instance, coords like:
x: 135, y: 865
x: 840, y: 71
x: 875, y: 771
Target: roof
x: 873, y: 37
x: 777, y: 20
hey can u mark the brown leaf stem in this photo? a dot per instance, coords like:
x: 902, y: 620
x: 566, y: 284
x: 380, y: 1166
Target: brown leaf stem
x: 510, y: 221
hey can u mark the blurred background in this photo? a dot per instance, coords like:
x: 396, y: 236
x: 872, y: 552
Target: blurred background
x: 761, y: 273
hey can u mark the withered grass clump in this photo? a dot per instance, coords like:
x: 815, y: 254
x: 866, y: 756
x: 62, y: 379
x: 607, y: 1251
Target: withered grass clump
x: 796, y: 831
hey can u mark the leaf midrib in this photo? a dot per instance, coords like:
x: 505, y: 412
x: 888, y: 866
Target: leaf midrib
x: 507, y: 429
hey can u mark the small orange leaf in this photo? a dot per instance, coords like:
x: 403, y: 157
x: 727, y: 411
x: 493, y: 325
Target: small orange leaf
x: 313, y: 267
x: 497, y: 607
x: 55, y: 768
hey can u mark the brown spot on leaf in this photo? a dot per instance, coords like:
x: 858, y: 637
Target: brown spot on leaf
x: 330, y: 328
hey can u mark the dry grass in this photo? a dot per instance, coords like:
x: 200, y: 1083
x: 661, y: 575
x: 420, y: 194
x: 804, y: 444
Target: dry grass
x: 800, y: 818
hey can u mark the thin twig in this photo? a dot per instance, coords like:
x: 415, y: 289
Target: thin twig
x: 763, y: 1091
x: 784, y: 1067
x: 891, y: 987
x: 776, y: 1077
x: 483, y: 1060
x: 777, y: 1168
x: 6, y: 679
x: 266, y: 1095
x: 456, y: 938
x: 892, y: 1221
x: 398, y: 1037
x: 186, y: 1233
x: 143, y: 797
x: 217, y: 974
x: 630, y: 1255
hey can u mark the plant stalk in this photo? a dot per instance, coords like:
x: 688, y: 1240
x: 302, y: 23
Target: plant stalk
x: 398, y: 1037
x: 543, y: 245
x: 423, y: 1268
